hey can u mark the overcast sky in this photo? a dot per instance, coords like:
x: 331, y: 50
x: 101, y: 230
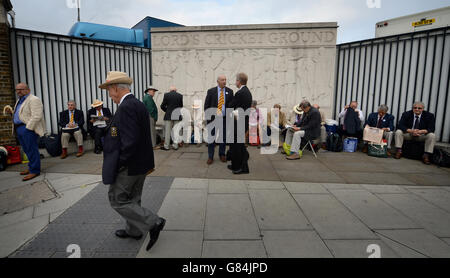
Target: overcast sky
x: 356, y: 20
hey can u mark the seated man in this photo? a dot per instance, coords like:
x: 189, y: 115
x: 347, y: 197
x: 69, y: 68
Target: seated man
x: 98, y: 117
x: 309, y: 129
x: 71, y: 121
x: 351, y: 119
x: 384, y: 121
x: 323, y: 130
x: 418, y: 125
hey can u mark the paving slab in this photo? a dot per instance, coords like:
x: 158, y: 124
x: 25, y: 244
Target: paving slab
x: 63, y: 182
x: 341, y: 186
x: 185, y: 183
x: 277, y: 210
x: 384, y: 189
x: 227, y: 187
x: 184, y: 210
x: 268, y: 185
x: 420, y: 241
x: 447, y: 240
x: 349, y: 249
x: 295, y: 244
x: 428, y: 216
x: 305, y: 188
x: 429, y: 179
x: 16, y: 235
x: 114, y: 255
x: 174, y: 244
x: 331, y: 219
x: 438, y: 197
x: 31, y: 255
x: 15, y: 181
x: 314, y: 177
x: 230, y: 217
x: 354, y: 167
x: 301, y: 165
x: 234, y: 249
x: 400, y: 249
x: 375, y: 213
x: 16, y: 217
x: 375, y: 178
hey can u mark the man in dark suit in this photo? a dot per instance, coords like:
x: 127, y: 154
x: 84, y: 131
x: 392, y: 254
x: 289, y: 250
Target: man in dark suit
x: 128, y: 159
x: 417, y: 125
x: 97, y: 126
x: 218, y: 98
x: 309, y: 129
x: 71, y: 122
x: 241, y: 100
x: 171, y: 102
x: 384, y: 121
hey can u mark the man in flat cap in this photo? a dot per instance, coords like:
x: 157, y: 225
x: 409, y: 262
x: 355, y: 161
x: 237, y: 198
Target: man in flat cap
x: 153, y: 111
x: 128, y: 159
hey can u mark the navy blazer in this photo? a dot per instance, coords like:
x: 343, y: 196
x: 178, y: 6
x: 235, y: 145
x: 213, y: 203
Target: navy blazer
x: 212, y: 100
x: 388, y: 121
x: 427, y: 121
x: 128, y: 141
x: 93, y: 111
x: 171, y: 102
x: 242, y: 99
x: 78, y: 118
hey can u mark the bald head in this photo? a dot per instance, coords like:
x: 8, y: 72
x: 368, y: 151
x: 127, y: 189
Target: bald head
x: 173, y: 89
x: 222, y: 81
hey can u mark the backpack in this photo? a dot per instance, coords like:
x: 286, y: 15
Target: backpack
x: 441, y: 158
x: 53, y: 145
x: 413, y: 150
x: 334, y: 143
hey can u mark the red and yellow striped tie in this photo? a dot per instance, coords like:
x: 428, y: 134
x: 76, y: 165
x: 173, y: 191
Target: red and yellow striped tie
x: 99, y: 114
x: 221, y: 102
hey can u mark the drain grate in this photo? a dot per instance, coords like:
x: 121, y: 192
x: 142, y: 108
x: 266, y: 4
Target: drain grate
x: 22, y: 197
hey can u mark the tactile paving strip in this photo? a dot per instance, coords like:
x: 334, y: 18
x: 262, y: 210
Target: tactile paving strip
x: 91, y: 224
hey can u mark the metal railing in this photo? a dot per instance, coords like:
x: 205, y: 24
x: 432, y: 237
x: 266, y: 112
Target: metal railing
x: 60, y: 68
x: 397, y: 71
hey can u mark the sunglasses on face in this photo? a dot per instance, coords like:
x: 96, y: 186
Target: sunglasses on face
x: 418, y: 108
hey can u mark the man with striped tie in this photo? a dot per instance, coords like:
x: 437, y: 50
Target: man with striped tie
x: 71, y: 122
x: 218, y: 98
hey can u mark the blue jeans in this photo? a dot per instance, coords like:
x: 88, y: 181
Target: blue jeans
x: 29, y: 141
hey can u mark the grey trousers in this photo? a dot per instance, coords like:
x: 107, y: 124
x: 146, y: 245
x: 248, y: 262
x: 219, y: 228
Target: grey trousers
x: 125, y: 198
x: 168, y: 133
x: 430, y: 140
x: 65, y: 137
x: 153, y: 131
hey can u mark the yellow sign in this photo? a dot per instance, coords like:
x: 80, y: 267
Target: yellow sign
x: 424, y: 22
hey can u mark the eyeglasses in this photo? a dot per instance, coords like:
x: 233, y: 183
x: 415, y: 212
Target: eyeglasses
x: 418, y: 108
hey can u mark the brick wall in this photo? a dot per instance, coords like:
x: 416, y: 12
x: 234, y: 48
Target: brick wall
x: 7, y: 95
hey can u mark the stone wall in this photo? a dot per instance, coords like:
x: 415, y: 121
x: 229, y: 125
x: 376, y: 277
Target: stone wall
x: 286, y: 63
x: 7, y: 96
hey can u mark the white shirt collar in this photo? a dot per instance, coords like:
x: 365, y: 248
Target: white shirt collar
x: 121, y: 100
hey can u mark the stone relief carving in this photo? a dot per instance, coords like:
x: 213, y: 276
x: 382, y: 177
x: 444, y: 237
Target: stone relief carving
x: 283, y: 76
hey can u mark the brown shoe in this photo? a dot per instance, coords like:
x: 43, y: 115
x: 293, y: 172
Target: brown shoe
x: 295, y: 156
x: 30, y: 177
x: 223, y: 159
x: 156, y: 148
x: 426, y: 160
x: 365, y: 149
x: 64, y: 154
x: 24, y: 173
x: 389, y: 153
x: 80, y: 151
x: 398, y: 155
x: 210, y: 161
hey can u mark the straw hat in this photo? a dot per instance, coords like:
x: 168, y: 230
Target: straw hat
x: 116, y: 77
x: 298, y: 110
x: 7, y: 107
x: 97, y: 103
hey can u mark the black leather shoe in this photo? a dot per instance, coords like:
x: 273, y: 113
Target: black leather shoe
x: 154, y: 233
x: 124, y: 234
x: 230, y: 168
x: 240, y: 172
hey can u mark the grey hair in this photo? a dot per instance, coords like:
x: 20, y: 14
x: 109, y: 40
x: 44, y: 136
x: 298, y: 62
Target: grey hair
x: 72, y: 101
x: 124, y: 86
x: 383, y: 108
x: 254, y: 103
x: 419, y: 103
x: 305, y: 104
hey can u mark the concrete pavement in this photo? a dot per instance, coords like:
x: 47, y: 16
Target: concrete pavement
x: 333, y: 206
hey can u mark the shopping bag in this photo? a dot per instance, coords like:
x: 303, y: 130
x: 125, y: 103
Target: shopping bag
x: 377, y: 150
x: 374, y: 135
x: 14, y: 156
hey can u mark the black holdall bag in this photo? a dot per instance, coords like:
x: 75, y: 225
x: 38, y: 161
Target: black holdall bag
x: 334, y: 143
x: 413, y: 149
x: 53, y: 144
x: 441, y: 157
